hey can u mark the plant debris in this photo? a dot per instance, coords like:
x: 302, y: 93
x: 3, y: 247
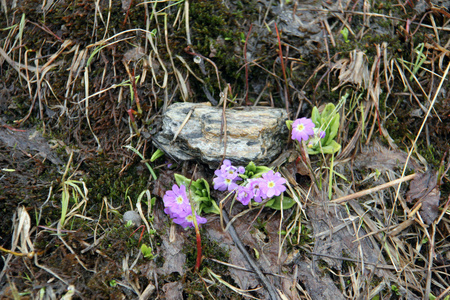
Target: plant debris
x: 424, y: 191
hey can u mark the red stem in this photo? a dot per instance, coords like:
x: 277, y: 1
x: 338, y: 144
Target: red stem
x: 199, y: 249
x: 282, y: 65
x: 136, y: 96
x: 246, y: 65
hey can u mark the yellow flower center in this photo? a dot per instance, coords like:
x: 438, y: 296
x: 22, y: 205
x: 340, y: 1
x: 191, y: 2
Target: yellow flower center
x: 300, y: 127
x: 271, y: 184
x: 180, y: 199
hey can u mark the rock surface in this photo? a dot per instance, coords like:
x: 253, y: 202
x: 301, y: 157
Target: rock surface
x: 253, y: 133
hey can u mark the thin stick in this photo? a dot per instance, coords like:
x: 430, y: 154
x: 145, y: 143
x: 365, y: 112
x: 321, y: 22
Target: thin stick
x: 182, y: 124
x: 431, y: 254
x: 265, y: 282
x: 283, y: 68
x: 374, y: 189
x: 188, y: 28
x: 246, y: 65
x: 223, y: 128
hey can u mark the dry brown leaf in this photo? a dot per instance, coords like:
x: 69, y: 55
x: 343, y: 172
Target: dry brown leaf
x: 29, y: 141
x: 424, y: 189
x: 134, y: 54
x: 354, y: 70
x: 173, y: 290
x: 381, y: 158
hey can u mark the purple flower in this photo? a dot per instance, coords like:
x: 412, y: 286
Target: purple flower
x: 229, y: 171
x: 255, y: 186
x: 318, y: 135
x: 178, y: 208
x: 226, y: 164
x: 302, y: 129
x: 176, y: 200
x: 322, y: 134
x: 223, y: 183
x: 273, y: 184
x: 241, y: 170
x: 227, y: 176
x: 187, y: 219
x: 244, y: 194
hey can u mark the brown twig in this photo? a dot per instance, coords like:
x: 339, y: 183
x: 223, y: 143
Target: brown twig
x: 266, y: 283
x: 374, y: 189
x: 283, y: 68
x: 246, y: 65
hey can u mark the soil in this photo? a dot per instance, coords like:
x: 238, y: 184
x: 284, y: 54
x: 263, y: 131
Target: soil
x: 83, y: 88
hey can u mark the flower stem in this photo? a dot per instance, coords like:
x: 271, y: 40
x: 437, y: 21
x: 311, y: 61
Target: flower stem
x: 131, y: 113
x: 197, y: 230
x: 199, y: 248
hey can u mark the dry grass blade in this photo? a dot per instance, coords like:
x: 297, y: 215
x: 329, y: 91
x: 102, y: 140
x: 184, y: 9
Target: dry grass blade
x: 371, y: 190
x: 241, y: 292
x: 421, y: 127
x: 20, y: 238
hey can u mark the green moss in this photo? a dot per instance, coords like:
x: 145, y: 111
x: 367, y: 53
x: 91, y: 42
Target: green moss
x: 210, y: 249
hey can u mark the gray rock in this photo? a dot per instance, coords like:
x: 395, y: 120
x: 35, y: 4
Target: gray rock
x: 253, y: 133
x: 132, y: 216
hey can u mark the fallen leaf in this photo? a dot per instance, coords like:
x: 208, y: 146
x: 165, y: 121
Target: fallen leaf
x: 424, y: 189
x: 29, y: 141
x: 173, y: 290
x: 354, y: 69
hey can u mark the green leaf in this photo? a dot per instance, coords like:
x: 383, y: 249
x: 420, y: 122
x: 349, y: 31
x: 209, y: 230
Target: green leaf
x: 209, y: 207
x: 332, y: 129
x: 315, y: 116
x: 329, y: 111
x: 260, y: 170
x: 158, y: 153
x: 275, y: 203
x: 331, y: 148
x: 146, y: 251
x: 181, y: 180
x: 289, y: 124
x: 251, y: 167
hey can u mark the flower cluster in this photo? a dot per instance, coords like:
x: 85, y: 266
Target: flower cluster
x: 227, y: 178
x: 177, y: 206
x: 303, y: 129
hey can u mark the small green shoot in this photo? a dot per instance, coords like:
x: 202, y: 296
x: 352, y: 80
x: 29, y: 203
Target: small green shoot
x: 147, y: 251
x: 71, y: 190
x: 395, y: 289
x: 344, y: 33
x: 330, y: 183
x: 113, y: 283
x: 157, y: 154
x: 142, y: 157
x: 433, y: 297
